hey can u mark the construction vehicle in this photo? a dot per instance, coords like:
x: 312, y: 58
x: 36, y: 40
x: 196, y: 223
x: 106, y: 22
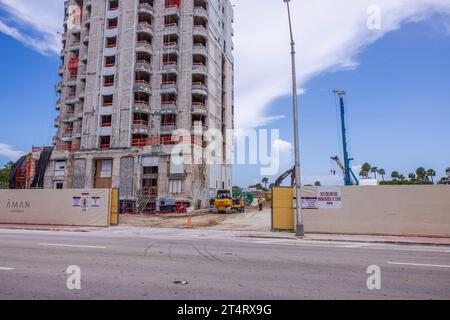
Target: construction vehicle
x: 223, y: 203
x: 281, y: 178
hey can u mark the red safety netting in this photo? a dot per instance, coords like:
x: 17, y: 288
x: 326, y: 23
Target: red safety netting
x: 73, y: 66
x: 172, y: 3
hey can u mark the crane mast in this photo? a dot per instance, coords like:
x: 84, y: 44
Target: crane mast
x: 348, y: 173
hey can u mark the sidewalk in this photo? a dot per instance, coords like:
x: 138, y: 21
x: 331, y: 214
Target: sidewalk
x: 378, y: 239
x: 354, y: 238
x: 48, y: 228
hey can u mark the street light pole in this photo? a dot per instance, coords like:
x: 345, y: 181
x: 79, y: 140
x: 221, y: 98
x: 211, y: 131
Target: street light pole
x: 299, y: 230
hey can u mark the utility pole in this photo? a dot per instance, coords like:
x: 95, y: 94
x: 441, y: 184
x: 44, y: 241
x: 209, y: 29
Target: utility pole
x: 299, y: 229
x: 347, y: 180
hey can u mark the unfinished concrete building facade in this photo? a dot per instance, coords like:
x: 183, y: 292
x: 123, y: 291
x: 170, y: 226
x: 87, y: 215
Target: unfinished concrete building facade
x: 133, y: 71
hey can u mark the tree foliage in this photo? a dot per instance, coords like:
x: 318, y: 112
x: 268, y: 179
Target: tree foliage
x: 5, y: 173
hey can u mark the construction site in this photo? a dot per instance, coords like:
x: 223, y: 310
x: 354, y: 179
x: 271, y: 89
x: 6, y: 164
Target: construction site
x: 132, y: 74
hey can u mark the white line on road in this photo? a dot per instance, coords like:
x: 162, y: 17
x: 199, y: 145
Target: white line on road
x: 6, y: 269
x: 70, y: 245
x: 360, y: 245
x: 420, y: 264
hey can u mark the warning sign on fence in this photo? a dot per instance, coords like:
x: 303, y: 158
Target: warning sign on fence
x: 329, y: 197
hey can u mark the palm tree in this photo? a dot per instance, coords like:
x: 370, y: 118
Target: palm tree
x: 317, y: 184
x: 374, y: 170
x: 421, y: 174
x: 431, y: 173
x: 447, y: 172
x: 265, y: 181
x: 365, y: 169
x: 395, y: 175
x: 401, y: 177
x: 381, y: 172
x: 412, y: 176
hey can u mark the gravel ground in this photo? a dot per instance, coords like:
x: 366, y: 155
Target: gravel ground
x: 251, y: 220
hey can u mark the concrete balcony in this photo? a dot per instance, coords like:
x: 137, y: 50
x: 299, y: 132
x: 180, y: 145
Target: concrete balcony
x: 145, y: 27
x: 169, y: 87
x: 200, y: 88
x: 144, y: 47
x: 67, y: 133
x: 86, y: 39
x: 71, y: 81
x: 82, y: 93
x: 61, y: 70
x: 170, y: 67
x: 200, y: 12
x: 172, y: 10
x: 59, y: 87
x: 140, y: 129
x: 58, y: 104
x: 199, y: 48
x: 168, y: 128
x: 146, y: 8
x: 199, y: 69
x: 82, y: 70
x: 143, y: 66
x: 169, y: 107
x: 199, y: 108
x: 170, y: 47
x: 56, y: 122
x: 171, y: 29
x: 200, y: 30
x: 75, y: 45
x: 141, y: 107
x: 142, y: 87
x: 55, y: 140
x: 71, y: 100
x: 199, y: 127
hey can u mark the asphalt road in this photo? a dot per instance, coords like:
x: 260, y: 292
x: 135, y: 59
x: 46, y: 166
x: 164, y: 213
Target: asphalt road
x: 127, y: 263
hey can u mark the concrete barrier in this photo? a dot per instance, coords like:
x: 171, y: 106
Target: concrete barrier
x: 75, y: 207
x: 385, y: 210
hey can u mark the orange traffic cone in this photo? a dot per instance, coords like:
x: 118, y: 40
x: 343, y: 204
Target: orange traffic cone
x: 189, y: 224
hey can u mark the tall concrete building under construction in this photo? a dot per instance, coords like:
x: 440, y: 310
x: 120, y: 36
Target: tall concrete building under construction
x: 132, y: 72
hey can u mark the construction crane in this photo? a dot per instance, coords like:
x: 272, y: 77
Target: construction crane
x: 349, y: 177
x: 354, y: 180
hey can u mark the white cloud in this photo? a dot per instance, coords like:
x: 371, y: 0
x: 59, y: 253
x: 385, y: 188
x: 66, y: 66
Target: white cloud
x: 34, y: 23
x: 285, y: 147
x: 285, y: 151
x: 7, y: 151
x: 328, y: 33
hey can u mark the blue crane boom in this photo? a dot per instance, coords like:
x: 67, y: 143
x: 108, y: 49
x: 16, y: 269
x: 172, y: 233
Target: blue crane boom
x: 348, y: 173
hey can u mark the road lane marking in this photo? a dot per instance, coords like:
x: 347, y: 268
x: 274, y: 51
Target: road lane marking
x: 355, y: 245
x: 420, y: 264
x: 70, y: 245
x: 6, y: 269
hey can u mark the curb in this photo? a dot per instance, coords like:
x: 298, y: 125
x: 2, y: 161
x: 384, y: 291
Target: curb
x: 406, y: 243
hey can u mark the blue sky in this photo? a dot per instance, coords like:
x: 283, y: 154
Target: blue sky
x: 397, y: 82
x: 398, y: 103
